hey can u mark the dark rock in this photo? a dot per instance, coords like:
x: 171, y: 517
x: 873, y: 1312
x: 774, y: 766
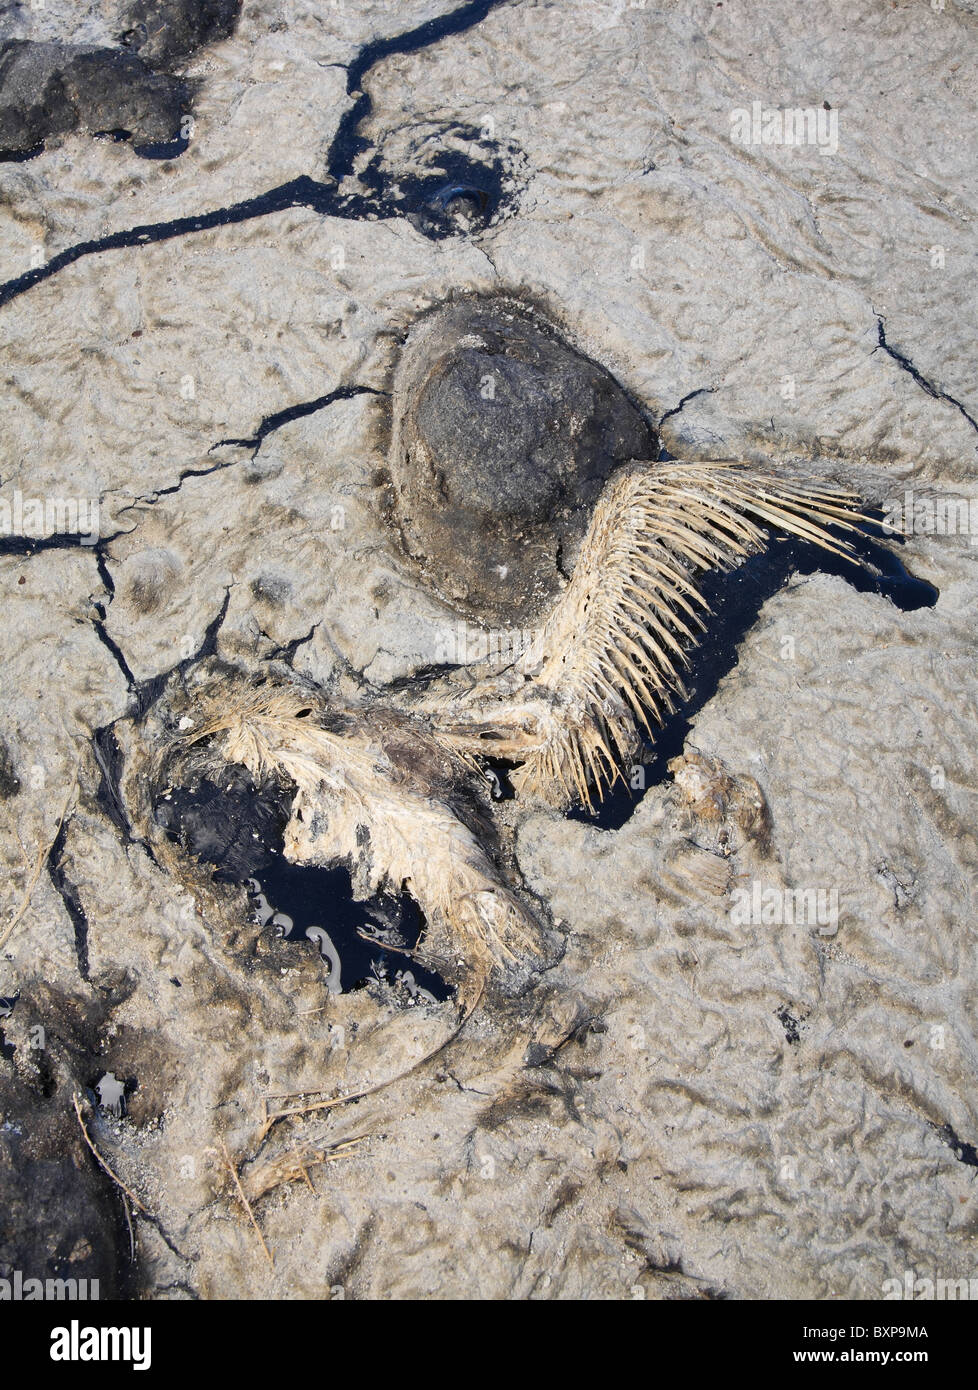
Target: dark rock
x: 49, y: 89
x: 34, y: 104
x: 503, y: 439
x: 116, y: 91
x: 166, y: 32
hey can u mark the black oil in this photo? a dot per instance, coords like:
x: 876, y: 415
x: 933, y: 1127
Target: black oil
x: 348, y: 143
x: 963, y: 1152
x: 458, y: 194
x: 71, y: 898
x: 7, y: 1006
x: 163, y: 149
x: 317, y: 897
x: 21, y: 156
x: 279, y: 418
x: 237, y: 828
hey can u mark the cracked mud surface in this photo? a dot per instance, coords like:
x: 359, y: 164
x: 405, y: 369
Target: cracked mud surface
x: 687, y: 1104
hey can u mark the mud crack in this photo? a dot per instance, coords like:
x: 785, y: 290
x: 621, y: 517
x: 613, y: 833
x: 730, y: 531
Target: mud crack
x: 918, y: 376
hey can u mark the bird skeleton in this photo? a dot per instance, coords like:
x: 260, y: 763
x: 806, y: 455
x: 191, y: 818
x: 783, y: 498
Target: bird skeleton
x: 377, y: 788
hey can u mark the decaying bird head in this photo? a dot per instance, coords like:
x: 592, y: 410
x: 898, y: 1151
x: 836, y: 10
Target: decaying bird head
x: 369, y: 788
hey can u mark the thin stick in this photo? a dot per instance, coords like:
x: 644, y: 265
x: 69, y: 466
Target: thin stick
x: 290, y: 1095
x: 42, y: 856
x: 272, y: 1116
x: 132, y: 1236
x: 337, y: 1100
x: 102, y: 1163
x: 385, y: 946
x: 246, y: 1204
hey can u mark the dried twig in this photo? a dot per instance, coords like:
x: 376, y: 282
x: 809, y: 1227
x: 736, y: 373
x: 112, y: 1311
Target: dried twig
x: 293, y: 1165
x: 246, y: 1204
x: 102, y: 1163
x: 132, y: 1234
x: 386, y: 946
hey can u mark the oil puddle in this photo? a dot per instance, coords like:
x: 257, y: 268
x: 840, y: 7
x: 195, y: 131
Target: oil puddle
x: 162, y: 149
x: 159, y: 149
x: 358, y: 942
x: 461, y: 180
x: 237, y: 828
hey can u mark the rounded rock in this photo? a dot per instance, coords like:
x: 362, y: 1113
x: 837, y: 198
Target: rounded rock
x: 503, y: 438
